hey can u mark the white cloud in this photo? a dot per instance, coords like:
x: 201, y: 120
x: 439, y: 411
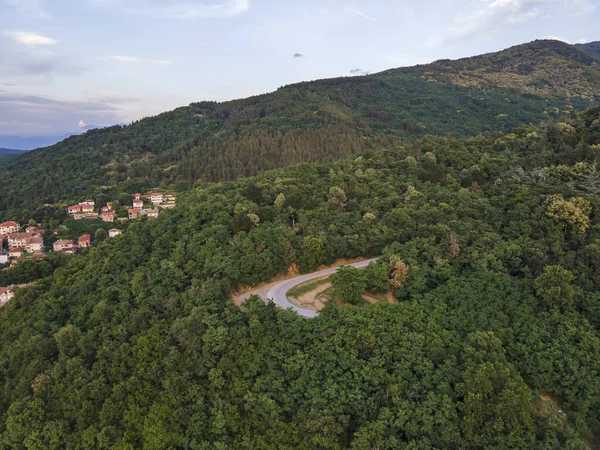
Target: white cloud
x: 492, y: 16
x: 136, y: 60
x: 26, y: 38
x: 30, y: 7
x: 177, y: 10
x: 25, y: 113
x: 81, y: 124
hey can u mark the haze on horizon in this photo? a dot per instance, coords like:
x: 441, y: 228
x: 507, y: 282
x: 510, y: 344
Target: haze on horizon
x: 65, y: 65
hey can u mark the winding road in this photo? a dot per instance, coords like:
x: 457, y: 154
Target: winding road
x: 277, y: 293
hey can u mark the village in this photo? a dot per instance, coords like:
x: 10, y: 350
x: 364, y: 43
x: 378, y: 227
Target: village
x: 20, y: 242
x: 29, y: 243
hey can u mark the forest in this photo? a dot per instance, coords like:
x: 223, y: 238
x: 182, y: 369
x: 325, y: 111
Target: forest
x: 320, y: 122
x: 494, y: 342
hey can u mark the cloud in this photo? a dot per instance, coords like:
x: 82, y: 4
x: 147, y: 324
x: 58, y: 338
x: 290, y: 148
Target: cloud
x: 355, y: 11
x: 298, y: 55
x: 136, y: 60
x: 177, y: 10
x: 25, y: 59
x: 22, y: 113
x: 30, y: 8
x: 81, y: 124
x: 492, y: 16
x: 359, y: 71
x: 26, y: 38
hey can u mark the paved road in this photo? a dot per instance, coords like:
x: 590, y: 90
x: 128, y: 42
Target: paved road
x: 277, y: 293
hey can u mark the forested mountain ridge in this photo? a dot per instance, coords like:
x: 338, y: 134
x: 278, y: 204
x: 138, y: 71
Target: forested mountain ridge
x: 316, y: 121
x: 495, y: 342
x: 593, y: 48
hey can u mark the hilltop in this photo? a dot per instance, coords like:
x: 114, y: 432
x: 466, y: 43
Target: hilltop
x: 319, y: 121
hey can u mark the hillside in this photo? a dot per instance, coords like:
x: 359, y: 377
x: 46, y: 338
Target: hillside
x: 489, y: 245
x: 319, y: 121
x: 593, y: 48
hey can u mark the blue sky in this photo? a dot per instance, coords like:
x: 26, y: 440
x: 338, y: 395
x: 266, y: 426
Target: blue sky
x: 98, y: 62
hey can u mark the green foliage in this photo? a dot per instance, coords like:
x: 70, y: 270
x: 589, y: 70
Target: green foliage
x: 349, y: 284
x: 555, y: 287
x: 312, y: 254
x: 100, y: 235
x: 376, y: 275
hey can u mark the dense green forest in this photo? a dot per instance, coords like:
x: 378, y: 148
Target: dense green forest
x: 319, y: 121
x: 494, y: 343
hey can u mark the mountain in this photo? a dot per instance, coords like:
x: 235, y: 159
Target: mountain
x: 318, y: 121
x: 38, y: 141
x: 5, y: 152
x: 593, y: 48
x: 484, y: 334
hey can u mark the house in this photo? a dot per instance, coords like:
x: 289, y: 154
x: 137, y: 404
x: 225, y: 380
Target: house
x: 16, y: 261
x: 35, y: 229
x: 134, y: 213
x: 138, y: 204
x: 74, y: 209
x: 78, y: 216
x: 156, y: 199
x: 122, y: 219
x: 153, y: 213
x: 39, y: 256
x: 87, y: 208
x: 34, y: 245
x: 85, y: 241
x: 16, y: 252
x: 91, y: 215
x: 9, y: 227
x: 71, y: 250
x: 6, y: 294
x: 108, y: 217
x: 3, y: 257
x: 88, y: 203
x: 114, y: 232
x: 108, y: 207
x: 137, y: 196
x: 21, y: 239
x: 2, y: 237
x: 63, y: 245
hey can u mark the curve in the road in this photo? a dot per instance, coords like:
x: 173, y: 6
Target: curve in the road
x: 278, y: 293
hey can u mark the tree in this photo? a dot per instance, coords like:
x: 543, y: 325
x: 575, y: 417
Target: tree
x: 376, y: 275
x: 454, y: 247
x: 100, y: 235
x: 280, y: 202
x: 312, y: 254
x: 554, y: 287
x: 349, y: 284
x: 398, y: 273
x: 337, y: 198
x: 573, y: 213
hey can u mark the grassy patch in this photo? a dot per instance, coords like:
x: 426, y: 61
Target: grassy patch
x: 306, y: 287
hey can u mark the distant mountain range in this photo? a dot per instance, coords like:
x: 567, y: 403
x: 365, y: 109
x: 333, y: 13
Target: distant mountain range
x: 318, y: 121
x: 5, y: 152
x: 37, y: 141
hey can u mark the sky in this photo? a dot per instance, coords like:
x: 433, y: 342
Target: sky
x: 68, y: 64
